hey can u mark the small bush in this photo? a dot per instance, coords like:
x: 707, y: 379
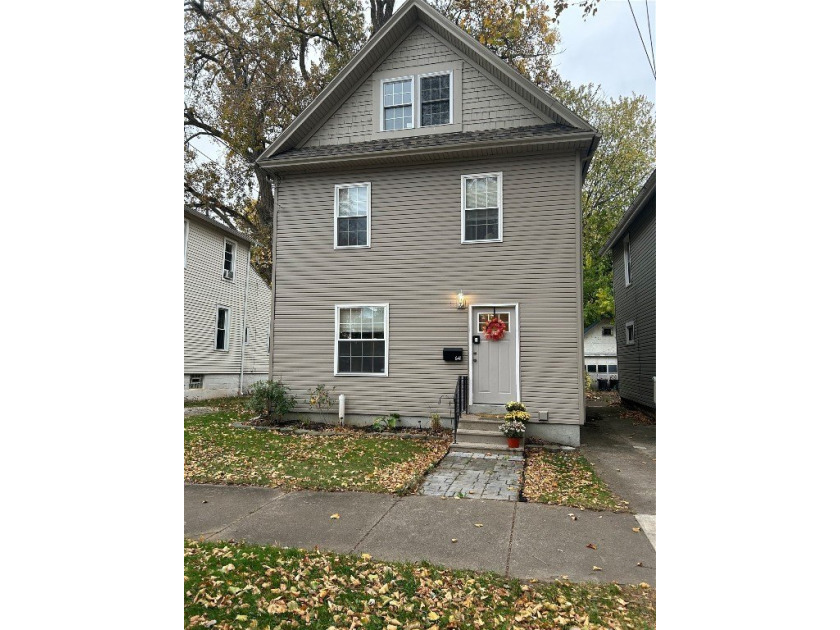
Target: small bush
x: 321, y: 400
x: 382, y: 423
x: 590, y: 383
x: 434, y: 420
x: 271, y: 399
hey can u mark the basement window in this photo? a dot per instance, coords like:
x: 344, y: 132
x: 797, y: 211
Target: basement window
x: 196, y: 381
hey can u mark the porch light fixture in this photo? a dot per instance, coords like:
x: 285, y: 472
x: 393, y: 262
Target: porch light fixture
x: 462, y: 301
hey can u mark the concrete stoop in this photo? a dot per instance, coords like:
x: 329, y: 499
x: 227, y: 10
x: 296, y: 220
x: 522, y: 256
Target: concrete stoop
x: 477, y: 434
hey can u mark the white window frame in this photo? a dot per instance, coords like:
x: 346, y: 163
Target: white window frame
x: 186, y: 239
x: 627, y: 259
x: 335, y: 215
x: 627, y: 326
x: 382, y: 83
x: 500, y: 193
x: 200, y: 378
x: 338, y: 308
x: 220, y: 307
x: 232, y: 261
x: 420, y: 78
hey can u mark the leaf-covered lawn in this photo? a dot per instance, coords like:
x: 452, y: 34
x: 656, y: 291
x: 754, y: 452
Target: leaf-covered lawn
x: 215, y: 452
x: 247, y: 586
x: 566, y: 478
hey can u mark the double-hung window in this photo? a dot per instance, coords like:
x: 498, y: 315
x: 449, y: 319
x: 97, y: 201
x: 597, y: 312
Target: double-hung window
x: 435, y: 100
x: 222, y: 327
x: 630, y: 333
x: 229, y: 261
x: 398, y: 104
x: 352, y: 215
x: 627, y: 260
x: 361, y: 339
x: 481, y: 208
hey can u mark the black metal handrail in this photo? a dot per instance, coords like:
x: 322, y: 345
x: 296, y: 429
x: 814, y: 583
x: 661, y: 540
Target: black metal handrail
x: 461, y: 400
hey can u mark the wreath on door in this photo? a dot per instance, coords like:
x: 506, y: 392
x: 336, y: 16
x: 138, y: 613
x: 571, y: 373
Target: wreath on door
x: 495, y: 329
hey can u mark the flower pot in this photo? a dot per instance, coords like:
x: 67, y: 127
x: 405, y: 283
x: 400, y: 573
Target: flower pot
x: 513, y: 442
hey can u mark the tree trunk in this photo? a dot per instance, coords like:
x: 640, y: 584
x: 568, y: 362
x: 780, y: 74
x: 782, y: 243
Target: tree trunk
x: 380, y: 11
x: 265, y: 198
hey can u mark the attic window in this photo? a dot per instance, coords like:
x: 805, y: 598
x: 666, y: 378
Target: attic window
x: 435, y: 100
x: 606, y: 331
x: 398, y: 104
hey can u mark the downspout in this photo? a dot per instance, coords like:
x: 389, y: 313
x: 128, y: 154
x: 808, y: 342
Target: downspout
x: 244, y: 324
x: 271, y: 339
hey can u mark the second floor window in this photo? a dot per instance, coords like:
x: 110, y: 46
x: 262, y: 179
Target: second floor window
x: 229, y: 263
x: 627, y: 277
x: 398, y: 104
x: 481, y: 212
x: 352, y: 215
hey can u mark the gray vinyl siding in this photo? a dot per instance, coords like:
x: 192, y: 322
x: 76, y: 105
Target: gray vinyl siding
x: 637, y: 362
x: 416, y: 264
x: 205, y: 290
x: 485, y: 105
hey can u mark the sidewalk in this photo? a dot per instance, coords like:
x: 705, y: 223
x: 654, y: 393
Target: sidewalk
x: 522, y: 540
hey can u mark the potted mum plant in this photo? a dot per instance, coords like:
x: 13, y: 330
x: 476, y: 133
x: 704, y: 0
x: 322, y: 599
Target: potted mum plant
x: 513, y: 431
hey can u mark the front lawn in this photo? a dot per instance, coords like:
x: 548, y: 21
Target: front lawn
x: 215, y: 452
x: 232, y: 585
x: 566, y: 478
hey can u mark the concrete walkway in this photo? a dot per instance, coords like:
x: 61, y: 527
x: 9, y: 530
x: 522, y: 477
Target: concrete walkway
x: 476, y: 476
x: 522, y: 540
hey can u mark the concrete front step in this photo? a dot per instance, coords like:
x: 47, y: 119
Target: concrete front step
x: 477, y: 447
x: 475, y: 408
x: 481, y: 436
x: 480, y: 424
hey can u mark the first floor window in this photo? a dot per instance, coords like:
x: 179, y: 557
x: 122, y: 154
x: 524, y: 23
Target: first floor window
x: 222, y: 328
x: 630, y: 336
x: 482, y: 207
x: 612, y: 369
x: 352, y: 215
x: 602, y: 369
x: 196, y: 381
x: 362, y: 339
x: 590, y: 368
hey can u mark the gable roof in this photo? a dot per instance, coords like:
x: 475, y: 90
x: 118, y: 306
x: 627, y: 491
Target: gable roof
x: 635, y: 208
x: 195, y: 214
x: 609, y: 321
x: 383, y: 42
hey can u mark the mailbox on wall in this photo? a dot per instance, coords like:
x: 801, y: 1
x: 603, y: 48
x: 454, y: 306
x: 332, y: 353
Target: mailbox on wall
x: 453, y: 354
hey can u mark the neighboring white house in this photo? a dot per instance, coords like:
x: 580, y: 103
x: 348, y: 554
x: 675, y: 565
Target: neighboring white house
x: 599, y: 351
x: 227, y: 311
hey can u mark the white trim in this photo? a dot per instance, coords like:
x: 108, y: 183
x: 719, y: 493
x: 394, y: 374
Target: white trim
x: 232, y: 260
x: 515, y: 307
x: 628, y: 257
x: 626, y: 329
x: 186, y: 239
x: 216, y: 329
x: 382, y: 83
x: 337, y: 308
x: 499, y: 199
x: 335, y: 215
x: 419, y: 122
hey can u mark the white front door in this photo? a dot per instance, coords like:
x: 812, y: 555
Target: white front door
x: 495, y: 370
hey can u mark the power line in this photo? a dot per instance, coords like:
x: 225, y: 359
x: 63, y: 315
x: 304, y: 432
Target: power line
x: 642, y: 39
x: 650, y: 36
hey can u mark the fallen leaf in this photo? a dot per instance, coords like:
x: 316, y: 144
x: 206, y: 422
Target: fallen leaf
x: 433, y: 616
x: 637, y: 529
x: 366, y: 556
x: 241, y: 618
x: 453, y: 540
x: 228, y: 568
x: 594, y: 568
x: 644, y: 585
x: 591, y: 546
x: 638, y: 564
x: 479, y: 525
x: 335, y: 516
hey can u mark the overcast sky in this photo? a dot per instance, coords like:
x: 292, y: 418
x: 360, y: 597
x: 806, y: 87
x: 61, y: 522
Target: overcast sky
x: 606, y: 49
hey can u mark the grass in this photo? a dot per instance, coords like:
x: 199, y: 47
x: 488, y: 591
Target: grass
x: 215, y: 452
x: 248, y: 586
x: 567, y: 478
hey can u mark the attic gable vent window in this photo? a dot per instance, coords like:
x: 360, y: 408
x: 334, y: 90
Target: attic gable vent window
x: 606, y: 331
x: 398, y: 104
x: 435, y: 103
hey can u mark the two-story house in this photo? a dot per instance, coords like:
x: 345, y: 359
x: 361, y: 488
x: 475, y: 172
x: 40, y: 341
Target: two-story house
x: 633, y: 245
x: 430, y: 191
x: 227, y: 311
x: 599, y: 352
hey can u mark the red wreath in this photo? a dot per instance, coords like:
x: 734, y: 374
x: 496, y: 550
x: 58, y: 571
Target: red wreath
x: 495, y: 329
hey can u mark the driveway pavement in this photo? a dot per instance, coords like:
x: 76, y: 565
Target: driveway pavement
x: 522, y: 540
x: 624, y: 456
